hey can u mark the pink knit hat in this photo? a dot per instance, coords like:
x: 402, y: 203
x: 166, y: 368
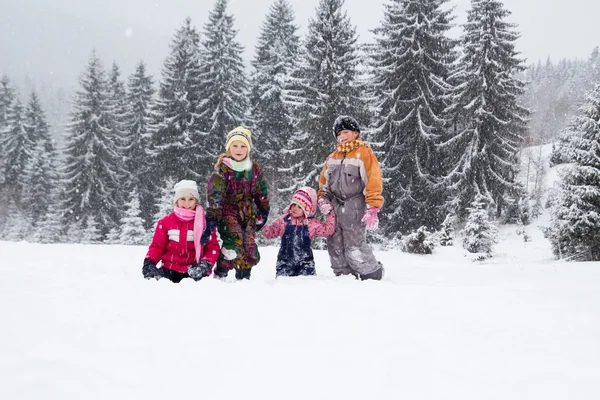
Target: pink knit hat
x: 306, y: 199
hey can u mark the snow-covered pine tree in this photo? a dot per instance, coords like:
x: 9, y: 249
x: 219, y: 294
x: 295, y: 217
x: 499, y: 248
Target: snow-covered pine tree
x: 222, y: 86
x: 132, y: 224
x: 489, y: 121
x: 140, y: 102
x: 41, y: 177
x: 324, y: 86
x: 575, y: 226
x: 164, y: 201
x: 18, y: 148
x: 479, y: 233
x: 89, y: 232
x: 92, y: 168
x: 412, y: 62
x: 176, y: 144
x: 275, y: 56
x: 118, y: 113
x: 7, y: 98
x: 446, y: 234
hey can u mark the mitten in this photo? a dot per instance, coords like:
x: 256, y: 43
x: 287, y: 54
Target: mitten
x: 199, y: 270
x: 324, y: 205
x: 371, y: 219
x: 210, y: 227
x: 228, y: 254
x: 261, y: 218
x: 149, y: 269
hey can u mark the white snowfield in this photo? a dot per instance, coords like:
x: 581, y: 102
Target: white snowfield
x: 80, y: 322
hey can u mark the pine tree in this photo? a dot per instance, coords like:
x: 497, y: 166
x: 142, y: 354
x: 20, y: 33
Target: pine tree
x: 7, y: 98
x: 140, y: 101
x: 223, y: 84
x: 479, y: 234
x: 18, y: 148
x: 92, y: 169
x: 325, y: 86
x: 91, y: 233
x: 132, y: 224
x: 575, y: 227
x: 41, y: 170
x: 48, y: 227
x: 176, y: 140
x: 412, y: 61
x: 446, y: 237
x: 276, y: 53
x: 489, y: 120
x: 164, y: 204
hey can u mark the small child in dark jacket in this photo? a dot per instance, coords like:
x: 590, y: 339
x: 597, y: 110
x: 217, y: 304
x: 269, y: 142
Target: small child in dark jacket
x: 176, y: 240
x: 297, y: 228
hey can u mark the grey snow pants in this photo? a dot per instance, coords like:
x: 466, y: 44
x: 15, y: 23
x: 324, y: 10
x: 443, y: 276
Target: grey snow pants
x: 348, y: 250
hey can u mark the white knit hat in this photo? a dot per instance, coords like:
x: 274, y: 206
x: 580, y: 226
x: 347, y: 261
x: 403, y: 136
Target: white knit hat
x: 186, y: 188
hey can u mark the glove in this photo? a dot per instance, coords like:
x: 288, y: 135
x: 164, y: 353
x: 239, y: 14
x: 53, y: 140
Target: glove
x: 324, y: 205
x: 149, y: 269
x: 261, y: 218
x: 210, y: 227
x: 199, y: 270
x: 228, y: 254
x: 370, y: 218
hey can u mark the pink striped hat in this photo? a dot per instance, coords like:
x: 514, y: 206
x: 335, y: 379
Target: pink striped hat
x: 306, y: 199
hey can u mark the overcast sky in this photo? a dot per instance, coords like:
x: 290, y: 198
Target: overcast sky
x: 51, y: 40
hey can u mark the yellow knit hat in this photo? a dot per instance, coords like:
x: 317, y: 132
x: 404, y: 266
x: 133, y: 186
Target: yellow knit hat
x: 242, y: 134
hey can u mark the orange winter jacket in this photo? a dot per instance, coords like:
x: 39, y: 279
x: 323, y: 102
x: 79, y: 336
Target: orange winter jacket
x: 356, y: 173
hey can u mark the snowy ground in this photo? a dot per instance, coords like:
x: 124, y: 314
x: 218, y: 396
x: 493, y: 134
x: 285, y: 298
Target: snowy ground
x: 79, y: 322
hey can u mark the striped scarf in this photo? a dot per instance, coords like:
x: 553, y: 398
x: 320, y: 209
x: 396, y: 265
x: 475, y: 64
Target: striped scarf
x: 353, y: 145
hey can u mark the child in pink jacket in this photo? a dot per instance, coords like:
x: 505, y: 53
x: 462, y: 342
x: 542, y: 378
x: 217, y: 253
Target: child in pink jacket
x: 297, y: 228
x: 176, y: 240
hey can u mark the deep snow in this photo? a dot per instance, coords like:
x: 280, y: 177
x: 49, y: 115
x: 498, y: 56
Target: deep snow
x: 79, y: 321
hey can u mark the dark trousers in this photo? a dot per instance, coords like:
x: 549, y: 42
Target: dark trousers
x: 221, y: 272
x: 171, y: 275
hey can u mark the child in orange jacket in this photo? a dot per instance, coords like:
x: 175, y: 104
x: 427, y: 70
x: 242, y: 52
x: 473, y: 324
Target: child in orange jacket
x: 351, y: 181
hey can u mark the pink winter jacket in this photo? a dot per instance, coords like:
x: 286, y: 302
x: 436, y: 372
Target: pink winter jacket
x: 315, y: 227
x: 173, y: 244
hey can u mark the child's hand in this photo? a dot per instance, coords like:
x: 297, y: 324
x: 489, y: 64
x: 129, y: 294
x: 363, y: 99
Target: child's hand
x: 261, y: 219
x: 199, y: 270
x: 149, y: 269
x: 228, y: 254
x: 324, y: 205
x: 371, y: 219
x: 210, y: 227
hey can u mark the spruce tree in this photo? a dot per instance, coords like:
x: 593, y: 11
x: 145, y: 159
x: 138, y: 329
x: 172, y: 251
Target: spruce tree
x: 176, y: 142
x: 41, y: 170
x: 271, y: 115
x: 92, y: 168
x: 164, y: 202
x: 140, y: 101
x: 325, y: 86
x: 412, y: 61
x: 7, y: 98
x: 575, y: 226
x: 479, y: 234
x: 18, y: 148
x: 132, y: 224
x: 222, y: 85
x: 489, y: 121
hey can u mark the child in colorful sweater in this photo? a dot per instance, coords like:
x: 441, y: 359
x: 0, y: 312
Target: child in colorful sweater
x: 351, y: 181
x: 176, y: 240
x: 238, y: 204
x: 297, y: 228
